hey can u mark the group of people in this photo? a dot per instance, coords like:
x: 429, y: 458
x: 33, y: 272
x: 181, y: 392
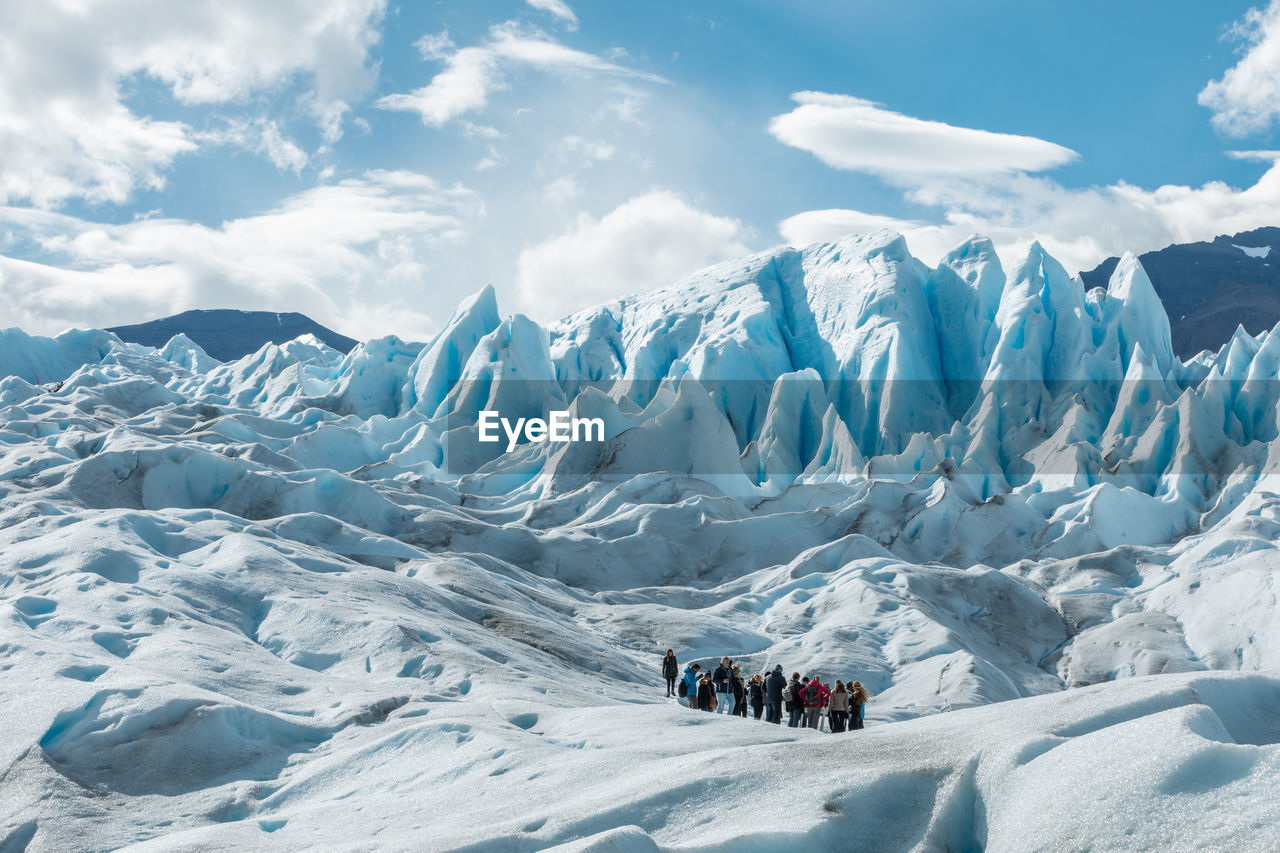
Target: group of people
x: 807, y: 701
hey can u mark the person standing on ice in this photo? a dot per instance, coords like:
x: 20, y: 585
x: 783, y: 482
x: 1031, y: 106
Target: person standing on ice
x: 706, y: 694
x: 815, y: 696
x: 692, y: 673
x: 838, y: 707
x: 795, y: 703
x: 774, y: 687
x: 739, y: 688
x: 858, y: 697
x: 757, y: 694
x: 724, y: 692
x: 670, y: 671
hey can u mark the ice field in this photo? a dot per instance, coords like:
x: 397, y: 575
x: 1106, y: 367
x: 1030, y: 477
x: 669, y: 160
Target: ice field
x: 292, y: 602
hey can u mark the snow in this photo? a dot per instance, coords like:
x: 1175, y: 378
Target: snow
x: 1254, y: 252
x: 291, y: 602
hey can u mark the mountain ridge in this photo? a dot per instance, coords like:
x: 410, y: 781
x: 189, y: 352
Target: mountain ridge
x: 1209, y: 288
x: 227, y: 333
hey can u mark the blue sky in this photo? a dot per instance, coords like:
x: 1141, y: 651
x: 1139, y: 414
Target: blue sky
x: 371, y: 163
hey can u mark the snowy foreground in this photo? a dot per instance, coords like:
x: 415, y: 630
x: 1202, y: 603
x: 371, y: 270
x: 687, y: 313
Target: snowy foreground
x: 292, y: 602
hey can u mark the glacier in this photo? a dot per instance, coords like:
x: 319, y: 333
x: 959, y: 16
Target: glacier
x: 291, y: 601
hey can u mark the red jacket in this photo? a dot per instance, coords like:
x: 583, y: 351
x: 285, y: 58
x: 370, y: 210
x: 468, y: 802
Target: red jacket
x: 819, y: 701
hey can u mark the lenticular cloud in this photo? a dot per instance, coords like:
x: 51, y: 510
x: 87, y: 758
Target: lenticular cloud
x: 861, y: 135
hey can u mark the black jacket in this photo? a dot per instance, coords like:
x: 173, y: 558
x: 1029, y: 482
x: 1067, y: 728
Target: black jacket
x: 704, y: 697
x: 757, y: 695
x: 670, y: 669
x: 738, y: 689
x: 774, y: 685
x: 721, y: 678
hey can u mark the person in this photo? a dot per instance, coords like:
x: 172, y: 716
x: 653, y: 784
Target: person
x: 838, y: 707
x: 721, y: 678
x: 739, y: 688
x: 692, y: 673
x: 858, y: 697
x: 706, y: 694
x: 670, y: 671
x: 757, y: 695
x: 815, y: 696
x: 795, y: 703
x: 774, y: 686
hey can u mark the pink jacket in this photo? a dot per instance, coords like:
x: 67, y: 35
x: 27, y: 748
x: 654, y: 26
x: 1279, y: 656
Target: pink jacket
x: 820, y: 701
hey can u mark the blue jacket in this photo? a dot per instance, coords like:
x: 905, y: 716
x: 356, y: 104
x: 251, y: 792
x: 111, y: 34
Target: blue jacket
x: 691, y: 679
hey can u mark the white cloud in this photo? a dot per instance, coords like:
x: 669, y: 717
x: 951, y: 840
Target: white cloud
x: 650, y: 241
x: 559, y: 8
x: 1079, y: 226
x: 491, y: 159
x: 67, y: 129
x: 593, y: 149
x: 563, y: 189
x: 435, y: 45
x: 1256, y: 156
x: 471, y: 74
x: 852, y: 133
x: 825, y: 226
x: 262, y: 136
x: 1247, y: 98
x: 348, y: 254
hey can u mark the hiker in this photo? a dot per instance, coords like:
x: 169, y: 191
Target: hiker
x: 815, y: 696
x: 838, y: 707
x: 739, y: 688
x: 670, y: 671
x: 775, y: 684
x: 795, y: 704
x: 721, y: 678
x: 858, y: 697
x: 706, y: 694
x: 757, y: 694
x: 691, y: 675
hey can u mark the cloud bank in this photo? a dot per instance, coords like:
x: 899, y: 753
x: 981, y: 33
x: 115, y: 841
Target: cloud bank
x: 67, y: 130
x: 649, y: 241
x: 351, y: 255
x: 472, y: 74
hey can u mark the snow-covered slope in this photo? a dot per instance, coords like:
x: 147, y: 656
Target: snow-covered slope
x: 292, y: 600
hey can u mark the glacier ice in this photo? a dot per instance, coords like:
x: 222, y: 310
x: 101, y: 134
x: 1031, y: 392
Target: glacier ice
x: 292, y: 601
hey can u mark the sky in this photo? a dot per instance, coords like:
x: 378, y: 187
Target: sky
x: 372, y: 163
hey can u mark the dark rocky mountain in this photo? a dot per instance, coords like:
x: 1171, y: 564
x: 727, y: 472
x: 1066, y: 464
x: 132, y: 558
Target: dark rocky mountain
x: 227, y: 334
x: 1210, y: 288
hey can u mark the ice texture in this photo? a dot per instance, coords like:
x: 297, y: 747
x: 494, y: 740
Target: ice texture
x: 291, y: 602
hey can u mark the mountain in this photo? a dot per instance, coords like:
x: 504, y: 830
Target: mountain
x: 227, y: 335
x: 293, y: 600
x: 1208, y: 289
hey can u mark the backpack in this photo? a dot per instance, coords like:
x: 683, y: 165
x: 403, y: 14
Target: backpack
x: 792, y: 695
x: 683, y: 689
x: 813, y: 694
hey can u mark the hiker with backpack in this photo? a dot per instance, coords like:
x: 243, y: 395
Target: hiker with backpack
x: 724, y: 690
x: 670, y: 671
x: 838, y: 708
x: 774, y: 686
x: 689, y: 685
x: 815, y: 697
x: 795, y: 702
